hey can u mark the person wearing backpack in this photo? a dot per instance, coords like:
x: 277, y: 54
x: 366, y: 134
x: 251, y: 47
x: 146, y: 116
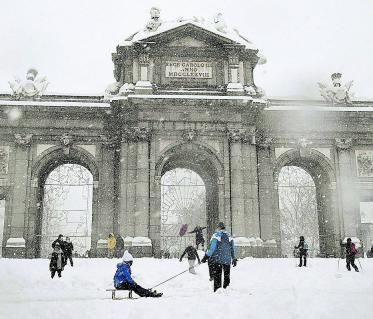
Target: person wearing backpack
x: 351, y: 252
x: 221, y: 255
x: 303, y: 249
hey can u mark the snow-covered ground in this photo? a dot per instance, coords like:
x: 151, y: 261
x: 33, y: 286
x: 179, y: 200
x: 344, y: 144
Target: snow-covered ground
x: 260, y: 288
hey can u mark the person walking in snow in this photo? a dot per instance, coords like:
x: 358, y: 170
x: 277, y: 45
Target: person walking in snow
x: 199, y: 236
x: 220, y: 255
x: 303, y: 249
x: 192, y: 255
x: 351, y: 252
x: 119, y: 246
x: 123, y: 279
x: 57, y: 261
x: 111, y: 243
x: 68, y: 248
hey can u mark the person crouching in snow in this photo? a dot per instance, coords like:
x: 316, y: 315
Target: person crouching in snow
x: 351, y: 251
x: 192, y: 254
x: 220, y: 256
x: 57, y: 261
x: 303, y: 249
x: 123, y: 279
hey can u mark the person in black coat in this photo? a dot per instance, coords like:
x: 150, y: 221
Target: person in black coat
x: 192, y: 255
x: 68, y: 248
x: 57, y: 261
x: 350, y: 254
x: 59, y: 240
x: 119, y: 247
x: 199, y: 236
x: 303, y: 249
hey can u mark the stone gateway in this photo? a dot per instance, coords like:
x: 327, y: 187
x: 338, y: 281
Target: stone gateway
x: 184, y: 97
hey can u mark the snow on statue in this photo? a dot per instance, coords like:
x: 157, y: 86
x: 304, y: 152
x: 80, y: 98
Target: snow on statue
x: 32, y: 87
x: 336, y: 93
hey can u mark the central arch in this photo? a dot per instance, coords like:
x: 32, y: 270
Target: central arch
x: 319, y: 168
x: 202, y: 160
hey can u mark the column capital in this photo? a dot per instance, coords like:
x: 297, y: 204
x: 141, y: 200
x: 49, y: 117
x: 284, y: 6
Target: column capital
x: 242, y: 135
x: 137, y: 134
x: 24, y: 140
x: 265, y: 141
x: 344, y: 143
x: 110, y: 141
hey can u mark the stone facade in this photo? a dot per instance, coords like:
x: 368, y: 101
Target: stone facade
x: 180, y: 101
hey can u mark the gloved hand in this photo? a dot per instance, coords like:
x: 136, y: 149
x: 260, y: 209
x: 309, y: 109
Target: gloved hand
x: 234, y: 262
x: 205, y: 258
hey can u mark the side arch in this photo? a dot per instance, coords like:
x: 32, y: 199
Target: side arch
x: 44, y: 164
x: 323, y: 174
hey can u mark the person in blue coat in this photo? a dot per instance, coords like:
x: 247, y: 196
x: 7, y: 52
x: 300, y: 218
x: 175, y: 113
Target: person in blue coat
x: 221, y: 255
x: 123, y: 279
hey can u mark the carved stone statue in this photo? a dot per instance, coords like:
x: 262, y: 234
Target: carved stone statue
x: 336, y: 93
x: 220, y: 24
x: 32, y: 87
x: 155, y: 21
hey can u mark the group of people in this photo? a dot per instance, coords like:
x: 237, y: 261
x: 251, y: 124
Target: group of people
x: 62, y: 252
x: 350, y: 252
x: 220, y: 255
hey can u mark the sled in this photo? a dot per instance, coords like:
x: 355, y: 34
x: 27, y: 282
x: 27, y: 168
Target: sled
x: 113, y: 296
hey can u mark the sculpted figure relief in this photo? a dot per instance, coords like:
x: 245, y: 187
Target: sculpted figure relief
x: 32, y: 87
x: 336, y: 93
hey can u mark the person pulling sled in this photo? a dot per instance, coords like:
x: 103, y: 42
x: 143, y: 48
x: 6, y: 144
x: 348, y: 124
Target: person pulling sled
x: 123, y: 279
x: 303, y: 250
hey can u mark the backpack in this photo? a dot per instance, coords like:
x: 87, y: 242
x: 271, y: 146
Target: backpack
x: 305, y: 246
x: 353, y: 249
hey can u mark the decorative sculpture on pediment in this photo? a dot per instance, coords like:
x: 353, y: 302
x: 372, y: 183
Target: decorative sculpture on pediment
x: 137, y: 134
x: 66, y: 140
x: 219, y: 23
x: 336, y: 93
x: 344, y: 143
x: 189, y: 135
x: 155, y: 21
x: 32, y: 87
x: 23, y: 139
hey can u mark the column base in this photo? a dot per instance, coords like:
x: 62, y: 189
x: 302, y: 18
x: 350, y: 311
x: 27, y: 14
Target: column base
x: 15, y: 248
x: 235, y: 89
x: 143, y: 87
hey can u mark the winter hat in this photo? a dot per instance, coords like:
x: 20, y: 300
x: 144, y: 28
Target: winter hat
x: 221, y: 225
x: 127, y: 256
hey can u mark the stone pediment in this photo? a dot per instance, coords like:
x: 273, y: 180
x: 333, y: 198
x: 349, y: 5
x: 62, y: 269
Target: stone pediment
x: 187, y: 41
x: 199, y: 34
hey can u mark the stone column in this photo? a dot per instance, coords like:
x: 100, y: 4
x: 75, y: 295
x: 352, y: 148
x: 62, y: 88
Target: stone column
x: 268, y: 195
x: 107, y: 195
x: 237, y: 196
x: 144, y: 86
x: 16, y: 243
x: 349, y: 200
x: 250, y: 184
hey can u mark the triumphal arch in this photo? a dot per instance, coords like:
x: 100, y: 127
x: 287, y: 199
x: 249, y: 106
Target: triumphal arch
x: 184, y: 96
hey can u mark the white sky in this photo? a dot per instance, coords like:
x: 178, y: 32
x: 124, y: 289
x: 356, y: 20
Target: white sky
x: 71, y: 41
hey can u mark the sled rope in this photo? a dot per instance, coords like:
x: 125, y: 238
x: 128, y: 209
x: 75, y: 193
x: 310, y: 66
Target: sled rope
x: 161, y: 283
